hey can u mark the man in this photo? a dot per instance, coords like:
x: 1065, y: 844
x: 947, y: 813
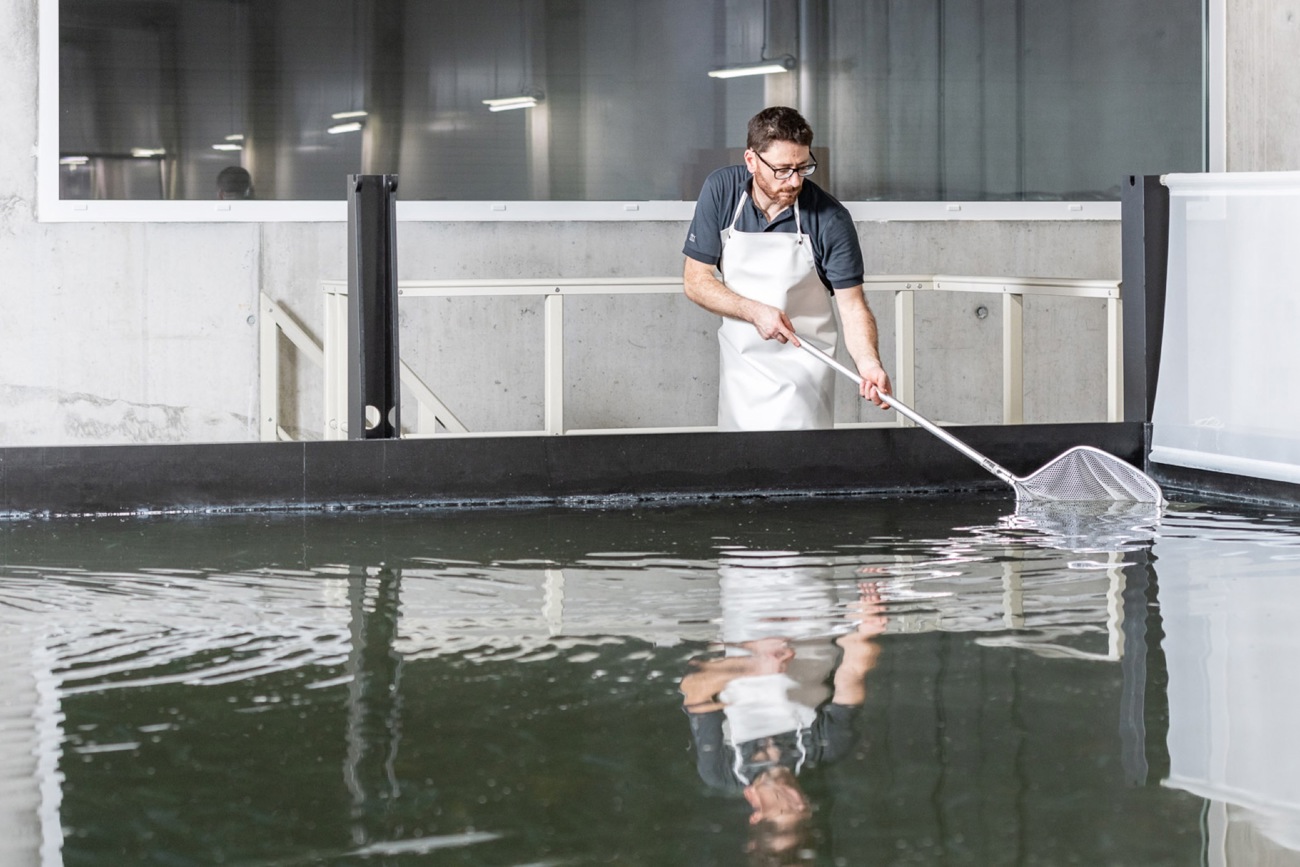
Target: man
x: 234, y: 182
x: 766, y: 251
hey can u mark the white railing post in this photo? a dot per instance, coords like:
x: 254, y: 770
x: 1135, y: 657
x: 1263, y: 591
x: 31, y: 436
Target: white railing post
x: 905, y: 349
x: 274, y: 322
x: 1013, y: 362
x: 336, y: 364
x: 269, y: 371
x: 553, y: 362
x: 1114, y: 359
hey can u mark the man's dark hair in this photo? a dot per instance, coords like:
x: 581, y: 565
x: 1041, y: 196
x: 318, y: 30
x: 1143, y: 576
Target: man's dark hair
x: 777, y: 123
x: 234, y: 182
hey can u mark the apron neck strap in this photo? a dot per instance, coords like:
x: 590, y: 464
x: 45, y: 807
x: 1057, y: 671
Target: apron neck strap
x: 744, y: 197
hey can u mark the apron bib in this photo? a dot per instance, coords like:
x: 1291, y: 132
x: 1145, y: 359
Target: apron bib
x: 765, y: 384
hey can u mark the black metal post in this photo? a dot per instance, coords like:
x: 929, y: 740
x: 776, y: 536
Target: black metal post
x: 1144, y: 212
x: 374, y: 393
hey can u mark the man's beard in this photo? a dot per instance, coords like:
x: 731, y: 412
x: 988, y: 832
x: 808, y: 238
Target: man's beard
x: 781, y: 194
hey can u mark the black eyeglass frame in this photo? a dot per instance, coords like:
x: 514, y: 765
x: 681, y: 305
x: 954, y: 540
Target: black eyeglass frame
x: 787, y: 173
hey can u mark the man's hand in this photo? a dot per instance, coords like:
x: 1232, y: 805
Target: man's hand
x: 875, y: 384
x: 871, y: 611
x: 705, y: 289
x: 771, y: 323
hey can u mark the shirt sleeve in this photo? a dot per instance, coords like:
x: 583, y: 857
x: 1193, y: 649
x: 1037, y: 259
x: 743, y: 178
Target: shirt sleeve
x: 704, y: 237
x: 832, y: 732
x: 841, y: 251
x: 713, y: 757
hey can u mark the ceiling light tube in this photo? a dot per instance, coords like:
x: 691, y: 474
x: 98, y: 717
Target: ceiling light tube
x: 763, y: 67
x: 353, y: 126
x: 349, y: 115
x: 227, y: 146
x: 508, y: 103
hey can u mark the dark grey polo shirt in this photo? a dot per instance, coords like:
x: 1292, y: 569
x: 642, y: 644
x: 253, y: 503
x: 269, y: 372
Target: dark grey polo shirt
x: 829, y: 739
x: 836, y: 249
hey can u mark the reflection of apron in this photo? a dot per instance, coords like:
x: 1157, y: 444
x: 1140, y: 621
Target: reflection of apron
x: 762, y: 705
x: 779, y: 597
x: 766, y: 384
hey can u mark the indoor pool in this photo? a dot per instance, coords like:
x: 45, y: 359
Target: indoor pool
x: 822, y: 681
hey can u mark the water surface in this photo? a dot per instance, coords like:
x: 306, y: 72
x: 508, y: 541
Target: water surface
x: 869, y: 682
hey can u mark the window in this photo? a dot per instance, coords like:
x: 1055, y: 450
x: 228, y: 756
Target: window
x: 912, y: 100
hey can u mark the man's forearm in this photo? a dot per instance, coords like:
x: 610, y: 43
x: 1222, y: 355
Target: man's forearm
x: 861, y: 338
x: 862, y: 342
x: 705, y: 289
x: 850, y: 681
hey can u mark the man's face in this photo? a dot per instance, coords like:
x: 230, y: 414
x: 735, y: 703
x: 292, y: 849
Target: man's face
x: 781, y: 155
x: 780, y: 810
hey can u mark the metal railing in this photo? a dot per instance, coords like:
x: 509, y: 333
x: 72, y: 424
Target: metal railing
x: 331, y: 358
x: 273, y: 322
x: 331, y: 354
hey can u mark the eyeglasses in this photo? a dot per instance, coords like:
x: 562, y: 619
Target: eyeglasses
x: 788, y: 172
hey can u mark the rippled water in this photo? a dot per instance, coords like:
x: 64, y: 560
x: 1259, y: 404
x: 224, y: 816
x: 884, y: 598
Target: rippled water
x: 865, y: 682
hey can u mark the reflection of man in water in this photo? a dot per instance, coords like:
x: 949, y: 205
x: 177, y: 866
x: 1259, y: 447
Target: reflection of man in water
x: 760, y: 719
x: 234, y: 182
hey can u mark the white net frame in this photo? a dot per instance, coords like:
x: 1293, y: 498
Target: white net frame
x: 1087, y: 474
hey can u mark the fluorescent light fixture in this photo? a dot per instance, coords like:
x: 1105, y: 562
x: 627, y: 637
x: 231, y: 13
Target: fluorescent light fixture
x: 508, y: 103
x: 146, y: 153
x: 349, y: 115
x: 763, y: 67
x: 351, y: 126
x: 73, y: 161
x: 227, y: 146
x: 235, y: 136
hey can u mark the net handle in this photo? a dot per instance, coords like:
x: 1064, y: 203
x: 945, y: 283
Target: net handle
x: 985, y: 462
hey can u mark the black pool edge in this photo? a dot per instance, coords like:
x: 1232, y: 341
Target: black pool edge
x: 469, y: 471
x: 484, y: 471
x: 1206, y: 485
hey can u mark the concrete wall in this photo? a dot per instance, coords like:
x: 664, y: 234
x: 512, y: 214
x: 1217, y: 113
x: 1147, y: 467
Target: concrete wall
x: 1263, y: 85
x: 114, y: 333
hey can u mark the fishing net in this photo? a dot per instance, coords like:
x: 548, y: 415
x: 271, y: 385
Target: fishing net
x: 1087, y: 474
x: 1082, y: 474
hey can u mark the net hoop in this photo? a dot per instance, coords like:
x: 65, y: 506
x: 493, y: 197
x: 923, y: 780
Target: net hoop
x: 1088, y: 474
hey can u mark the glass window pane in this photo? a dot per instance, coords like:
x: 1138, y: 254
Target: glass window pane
x: 914, y: 100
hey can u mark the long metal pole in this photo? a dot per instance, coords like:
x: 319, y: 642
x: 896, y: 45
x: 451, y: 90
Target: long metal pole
x: 987, y: 463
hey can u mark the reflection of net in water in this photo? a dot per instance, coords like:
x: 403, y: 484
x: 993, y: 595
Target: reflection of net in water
x: 1085, y: 474
x: 1085, y: 526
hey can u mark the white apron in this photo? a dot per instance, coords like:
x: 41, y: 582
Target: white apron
x: 766, y: 384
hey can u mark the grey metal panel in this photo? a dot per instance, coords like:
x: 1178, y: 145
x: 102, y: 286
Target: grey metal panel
x: 1144, y: 211
x: 373, y: 358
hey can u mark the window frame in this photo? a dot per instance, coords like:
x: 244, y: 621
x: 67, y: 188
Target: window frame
x: 53, y: 209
